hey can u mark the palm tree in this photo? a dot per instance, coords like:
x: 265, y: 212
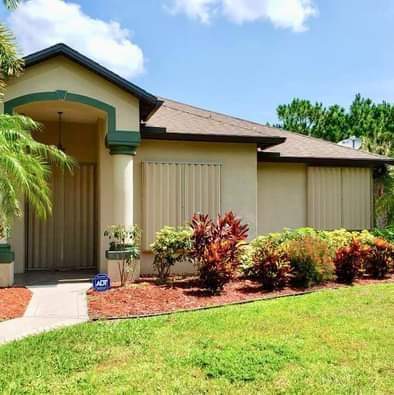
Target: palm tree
x: 25, y: 164
x: 25, y: 168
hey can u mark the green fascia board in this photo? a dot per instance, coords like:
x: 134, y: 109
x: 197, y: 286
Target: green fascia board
x: 118, y: 141
x: 6, y: 254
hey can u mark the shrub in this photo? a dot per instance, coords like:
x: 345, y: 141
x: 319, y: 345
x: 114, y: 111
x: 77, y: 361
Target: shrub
x: 348, y: 261
x: 246, y: 256
x: 379, y: 259
x: 271, y: 266
x: 216, y: 248
x: 310, y: 261
x: 336, y: 238
x: 386, y: 233
x: 171, y: 245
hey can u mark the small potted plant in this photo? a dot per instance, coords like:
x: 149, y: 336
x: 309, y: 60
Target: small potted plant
x: 123, y: 253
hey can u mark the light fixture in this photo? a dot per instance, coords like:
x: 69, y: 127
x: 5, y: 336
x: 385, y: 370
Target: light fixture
x: 60, y: 143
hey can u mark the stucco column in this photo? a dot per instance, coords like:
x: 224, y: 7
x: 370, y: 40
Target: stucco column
x: 122, y: 146
x: 123, y: 189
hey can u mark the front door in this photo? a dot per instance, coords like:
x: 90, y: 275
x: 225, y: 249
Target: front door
x: 66, y: 240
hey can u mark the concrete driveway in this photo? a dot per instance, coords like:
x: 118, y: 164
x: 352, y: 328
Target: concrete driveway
x: 58, y: 300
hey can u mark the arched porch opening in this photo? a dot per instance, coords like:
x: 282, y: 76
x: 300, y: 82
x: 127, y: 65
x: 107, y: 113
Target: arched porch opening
x: 70, y: 239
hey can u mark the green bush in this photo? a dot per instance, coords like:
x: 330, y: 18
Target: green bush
x: 171, y: 245
x: 386, y: 233
x: 310, y: 261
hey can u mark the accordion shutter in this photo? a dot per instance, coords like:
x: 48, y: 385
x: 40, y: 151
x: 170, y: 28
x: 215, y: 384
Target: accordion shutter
x: 66, y: 239
x: 357, y: 198
x: 173, y: 192
x: 324, y: 197
x: 339, y: 197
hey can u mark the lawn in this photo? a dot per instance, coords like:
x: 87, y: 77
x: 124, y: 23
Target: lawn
x: 333, y: 341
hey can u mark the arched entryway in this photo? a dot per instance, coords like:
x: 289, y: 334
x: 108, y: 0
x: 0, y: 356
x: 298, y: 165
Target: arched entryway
x: 69, y: 238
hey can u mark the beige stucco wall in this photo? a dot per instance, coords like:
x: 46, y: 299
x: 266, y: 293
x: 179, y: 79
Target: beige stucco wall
x: 281, y: 196
x: 60, y: 73
x: 239, y: 178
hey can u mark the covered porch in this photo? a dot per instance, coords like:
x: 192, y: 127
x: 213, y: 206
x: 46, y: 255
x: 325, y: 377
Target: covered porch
x: 97, y: 193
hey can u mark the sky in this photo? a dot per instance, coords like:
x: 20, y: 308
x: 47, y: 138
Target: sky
x: 240, y: 57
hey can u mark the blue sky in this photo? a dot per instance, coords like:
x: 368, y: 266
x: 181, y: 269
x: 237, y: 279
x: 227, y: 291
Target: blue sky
x: 246, y: 69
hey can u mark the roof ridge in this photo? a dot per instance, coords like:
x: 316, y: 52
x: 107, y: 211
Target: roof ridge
x: 265, y: 126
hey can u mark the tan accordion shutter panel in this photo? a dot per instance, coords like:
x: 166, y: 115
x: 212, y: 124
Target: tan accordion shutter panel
x: 162, y: 198
x: 324, y: 197
x: 66, y: 240
x: 357, y: 198
x: 202, y: 190
x: 172, y: 192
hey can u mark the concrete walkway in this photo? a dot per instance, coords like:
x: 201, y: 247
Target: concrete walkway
x: 53, y: 304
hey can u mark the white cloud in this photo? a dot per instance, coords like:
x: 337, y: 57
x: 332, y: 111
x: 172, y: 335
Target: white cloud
x: 38, y: 24
x: 287, y: 14
x: 198, y: 9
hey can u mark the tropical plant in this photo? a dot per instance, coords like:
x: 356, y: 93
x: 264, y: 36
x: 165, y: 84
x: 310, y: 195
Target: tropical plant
x: 171, y: 245
x: 126, y: 241
x: 386, y: 233
x: 25, y: 168
x: 310, y: 261
x: 271, y: 266
x: 379, y: 259
x: 216, y: 248
x: 349, y: 260
x: 11, y: 64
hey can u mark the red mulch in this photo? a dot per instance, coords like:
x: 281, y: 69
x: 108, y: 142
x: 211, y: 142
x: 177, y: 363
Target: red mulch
x: 146, y: 297
x: 13, y: 302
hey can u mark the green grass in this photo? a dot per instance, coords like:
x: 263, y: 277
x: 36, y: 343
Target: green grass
x: 330, y: 342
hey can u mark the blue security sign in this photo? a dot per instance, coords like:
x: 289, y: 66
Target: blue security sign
x: 101, y: 282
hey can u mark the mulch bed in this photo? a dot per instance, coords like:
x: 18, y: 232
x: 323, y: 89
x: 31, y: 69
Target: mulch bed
x: 145, y: 297
x: 13, y: 302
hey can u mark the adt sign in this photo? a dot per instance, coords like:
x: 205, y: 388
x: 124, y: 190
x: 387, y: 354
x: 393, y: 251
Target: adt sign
x: 101, y: 282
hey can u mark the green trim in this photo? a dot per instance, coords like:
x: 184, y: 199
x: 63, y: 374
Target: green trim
x: 118, y: 141
x: 123, y: 142
x: 118, y: 255
x: 6, y: 254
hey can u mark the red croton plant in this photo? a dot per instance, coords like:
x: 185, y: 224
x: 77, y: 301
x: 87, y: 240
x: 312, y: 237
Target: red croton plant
x: 216, y: 246
x: 375, y: 260
x: 348, y: 261
x: 379, y: 259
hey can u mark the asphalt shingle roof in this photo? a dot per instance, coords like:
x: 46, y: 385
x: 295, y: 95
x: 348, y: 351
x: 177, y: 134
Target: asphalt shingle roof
x: 183, y: 118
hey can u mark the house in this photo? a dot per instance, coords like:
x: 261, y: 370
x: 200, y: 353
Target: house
x: 153, y: 161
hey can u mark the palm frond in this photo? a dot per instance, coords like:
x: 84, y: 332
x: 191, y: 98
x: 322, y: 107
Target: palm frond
x: 11, y: 63
x: 26, y: 167
x: 11, y: 4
